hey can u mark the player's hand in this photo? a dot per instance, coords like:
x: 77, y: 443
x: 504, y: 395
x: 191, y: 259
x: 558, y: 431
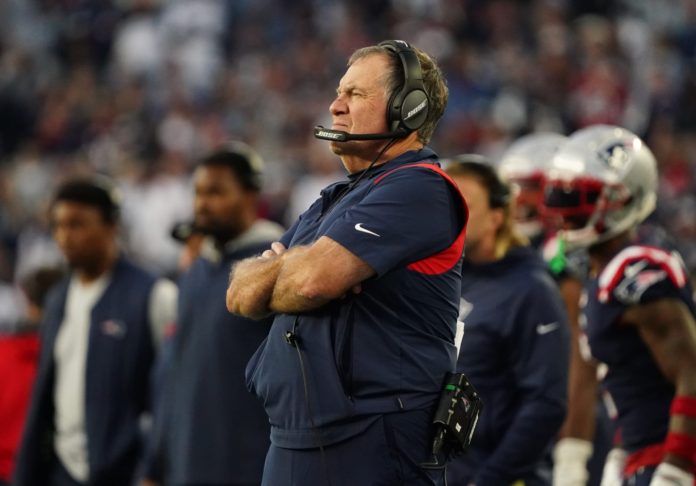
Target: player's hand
x: 570, y: 456
x: 277, y: 248
x: 670, y: 475
x: 612, y: 474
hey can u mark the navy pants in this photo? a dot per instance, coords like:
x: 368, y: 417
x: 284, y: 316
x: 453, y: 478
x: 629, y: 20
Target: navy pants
x: 388, y: 453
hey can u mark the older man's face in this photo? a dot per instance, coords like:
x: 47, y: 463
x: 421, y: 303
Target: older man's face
x: 360, y: 105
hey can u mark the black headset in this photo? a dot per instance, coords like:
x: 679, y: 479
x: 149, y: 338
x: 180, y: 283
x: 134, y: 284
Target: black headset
x: 408, y: 107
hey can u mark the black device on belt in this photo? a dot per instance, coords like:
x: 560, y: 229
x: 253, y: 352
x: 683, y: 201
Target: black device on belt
x: 455, y: 420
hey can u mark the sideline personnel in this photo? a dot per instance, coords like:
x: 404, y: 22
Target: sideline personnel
x: 99, y: 333
x: 516, y: 339
x: 366, y: 295
x: 209, y: 429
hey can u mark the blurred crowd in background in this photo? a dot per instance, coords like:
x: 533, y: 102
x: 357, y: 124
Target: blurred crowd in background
x: 141, y: 89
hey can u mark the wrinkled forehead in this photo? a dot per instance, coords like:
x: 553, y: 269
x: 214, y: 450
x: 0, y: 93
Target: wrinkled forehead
x: 369, y: 72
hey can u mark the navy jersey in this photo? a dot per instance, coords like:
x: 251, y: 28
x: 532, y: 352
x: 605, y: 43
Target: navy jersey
x: 387, y: 348
x: 634, y: 383
x: 515, y: 352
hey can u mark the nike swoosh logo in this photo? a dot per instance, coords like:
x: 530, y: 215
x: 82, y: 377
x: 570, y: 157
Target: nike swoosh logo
x: 359, y: 227
x: 546, y: 328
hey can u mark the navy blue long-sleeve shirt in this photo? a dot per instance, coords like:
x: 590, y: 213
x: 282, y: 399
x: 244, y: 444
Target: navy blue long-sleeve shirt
x: 515, y: 352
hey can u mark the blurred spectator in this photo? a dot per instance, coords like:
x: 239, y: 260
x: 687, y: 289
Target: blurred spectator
x: 19, y: 353
x: 151, y: 205
x: 135, y: 87
x: 323, y: 171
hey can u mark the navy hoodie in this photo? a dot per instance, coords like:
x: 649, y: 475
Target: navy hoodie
x: 515, y: 352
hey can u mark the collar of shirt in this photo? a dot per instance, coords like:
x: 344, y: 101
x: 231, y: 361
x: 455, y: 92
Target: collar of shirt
x: 410, y: 157
x: 333, y: 193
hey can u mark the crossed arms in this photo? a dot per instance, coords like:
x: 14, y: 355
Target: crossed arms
x: 294, y: 280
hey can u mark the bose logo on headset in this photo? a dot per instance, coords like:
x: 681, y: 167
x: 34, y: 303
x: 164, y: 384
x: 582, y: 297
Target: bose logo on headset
x: 327, y: 134
x: 407, y: 108
x: 418, y: 108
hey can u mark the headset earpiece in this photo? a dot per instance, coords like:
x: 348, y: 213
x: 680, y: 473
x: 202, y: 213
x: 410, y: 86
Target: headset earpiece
x: 408, y: 106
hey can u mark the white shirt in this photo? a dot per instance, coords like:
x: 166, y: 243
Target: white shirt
x: 70, y: 353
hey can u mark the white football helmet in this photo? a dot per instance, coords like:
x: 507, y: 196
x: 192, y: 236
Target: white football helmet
x: 601, y: 182
x: 524, y: 166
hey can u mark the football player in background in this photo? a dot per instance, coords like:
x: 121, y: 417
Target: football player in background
x: 638, y: 314
x: 578, y: 457
x: 523, y: 166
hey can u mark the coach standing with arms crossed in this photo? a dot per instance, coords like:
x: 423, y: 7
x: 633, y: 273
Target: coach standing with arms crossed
x: 366, y: 295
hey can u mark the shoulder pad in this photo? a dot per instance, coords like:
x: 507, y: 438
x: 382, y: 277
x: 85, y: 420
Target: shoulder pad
x: 637, y: 268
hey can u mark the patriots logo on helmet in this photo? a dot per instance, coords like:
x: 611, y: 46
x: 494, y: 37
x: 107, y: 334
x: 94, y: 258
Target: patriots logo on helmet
x: 614, y: 179
x: 615, y: 155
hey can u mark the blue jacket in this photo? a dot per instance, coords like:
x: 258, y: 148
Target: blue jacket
x: 388, y: 348
x: 211, y: 429
x: 515, y: 352
x: 116, y: 383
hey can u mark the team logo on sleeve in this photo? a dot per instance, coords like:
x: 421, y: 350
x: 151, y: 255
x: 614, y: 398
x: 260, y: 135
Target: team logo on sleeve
x: 632, y: 288
x: 637, y: 268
